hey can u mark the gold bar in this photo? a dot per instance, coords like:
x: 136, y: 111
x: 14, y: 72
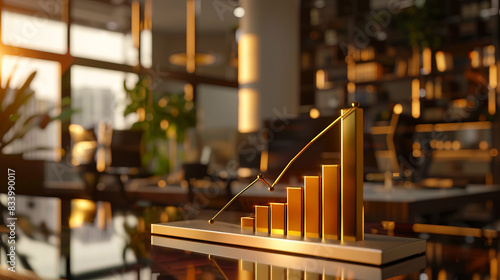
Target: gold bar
x: 312, y: 276
x: 278, y: 218
x: 312, y: 207
x: 262, y: 219
x: 246, y: 271
x: 351, y: 154
x: 294, y: 211
x: 247, y: 223
x: 294, y: 274
x: 262, y: 271
x: 330, y: 215
x: 278, y: 273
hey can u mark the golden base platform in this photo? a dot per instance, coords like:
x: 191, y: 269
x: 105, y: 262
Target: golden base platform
x: 373, y: 250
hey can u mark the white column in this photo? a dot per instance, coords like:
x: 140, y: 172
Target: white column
x: 268, y: 61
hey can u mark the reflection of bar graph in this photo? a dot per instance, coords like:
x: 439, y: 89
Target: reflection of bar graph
x: 248, y: 264
x: 327, y: 207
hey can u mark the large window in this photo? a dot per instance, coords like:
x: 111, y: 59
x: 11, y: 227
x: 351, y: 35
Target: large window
x: 33, y: 31
x: 41, y: 144
x: 35, y: 37
x: 100, y: 96
x: 102, y: 45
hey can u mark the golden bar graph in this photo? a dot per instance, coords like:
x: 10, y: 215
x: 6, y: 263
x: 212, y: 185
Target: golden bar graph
x: 262, y: 219
x: 278, y: 219
x: 248, y: 223
x: 328, y: 207
x: 351, y: 154
x: 312, y: 207
x: 295, y: 202
x: 330, y: 188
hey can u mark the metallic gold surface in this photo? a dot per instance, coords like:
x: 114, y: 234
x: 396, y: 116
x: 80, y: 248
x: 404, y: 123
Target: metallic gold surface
x: 278, y: 273
x: 312, y: 207
x: 294, y: 274
x: 345, y: 114
x: 262, y: 219
x: 278, y: 219
x: 294, y: 211
x: 262, y: 271
x: 248, y: 223
x: 352, y: 176
x: 312, y: 263
x: 246, y: 271
x: 330, y: 196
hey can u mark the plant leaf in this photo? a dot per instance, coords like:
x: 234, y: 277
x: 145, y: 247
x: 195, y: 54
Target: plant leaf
x: 3, y: 91
x: 66, y: 101
x: 14, y: 107
x: 65, y: 114
x: 20, y: 98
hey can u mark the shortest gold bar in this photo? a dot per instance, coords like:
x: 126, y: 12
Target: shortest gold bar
x: 278, y: 218
x: 294, y: 211
x: 262, y: 219
x: 247, y: 223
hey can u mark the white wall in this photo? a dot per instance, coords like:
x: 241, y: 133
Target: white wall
x: 217, y: 107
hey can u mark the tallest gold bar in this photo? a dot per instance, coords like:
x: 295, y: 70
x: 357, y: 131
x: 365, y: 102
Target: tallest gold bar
x: 351, y: 154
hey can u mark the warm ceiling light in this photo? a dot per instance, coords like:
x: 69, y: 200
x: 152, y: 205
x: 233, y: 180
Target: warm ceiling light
x: 314, y: 113
x: 201, y: 59
x: 427, y: 61
x: 162, y: 183
x: 440, y: 61
x: 164, y: 124
x: 239, y: 12
x: 320, y: 79
x: 398, y: 109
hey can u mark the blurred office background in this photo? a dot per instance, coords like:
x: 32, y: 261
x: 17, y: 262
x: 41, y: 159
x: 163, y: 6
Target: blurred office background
x: 176, y: 105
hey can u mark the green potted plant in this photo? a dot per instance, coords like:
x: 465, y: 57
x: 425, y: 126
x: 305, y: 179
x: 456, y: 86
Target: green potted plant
x: 162, y: 116
x: 421, y: 25
x: 15, y: 123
